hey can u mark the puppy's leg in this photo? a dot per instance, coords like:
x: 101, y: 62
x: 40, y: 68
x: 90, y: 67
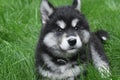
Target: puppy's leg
x: 71, y: 78
x: 98, y: 56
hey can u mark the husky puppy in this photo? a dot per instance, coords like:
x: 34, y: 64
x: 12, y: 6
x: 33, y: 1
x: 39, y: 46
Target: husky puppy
x: 65, y: 43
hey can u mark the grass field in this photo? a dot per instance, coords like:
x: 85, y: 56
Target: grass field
x: 19, y: 30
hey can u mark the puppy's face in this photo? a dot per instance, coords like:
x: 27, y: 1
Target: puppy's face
x: 65, y: 28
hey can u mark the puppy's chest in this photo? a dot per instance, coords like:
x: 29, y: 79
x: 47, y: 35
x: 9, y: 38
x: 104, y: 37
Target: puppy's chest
x: 63, y: 66
x: 60, y: 65
x: 60, y: 68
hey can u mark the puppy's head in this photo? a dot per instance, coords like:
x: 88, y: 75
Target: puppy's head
x: 65, y: 29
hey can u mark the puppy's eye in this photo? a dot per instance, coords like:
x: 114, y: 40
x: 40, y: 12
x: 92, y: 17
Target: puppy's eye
x: 77, y: 27
x: 59, y: 30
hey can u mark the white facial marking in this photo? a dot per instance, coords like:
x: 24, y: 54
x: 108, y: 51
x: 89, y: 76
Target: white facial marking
x: 104, y: 38
x: 79, y: 42
x: 74, y: 22
x: 65, y: 45
x: 86, y: 36
x: 61, y: 24
x: 50, y: 40
x: 101, y: 65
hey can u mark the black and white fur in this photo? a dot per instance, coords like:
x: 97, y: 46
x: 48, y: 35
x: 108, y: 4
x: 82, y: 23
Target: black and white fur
x: 65, y: 38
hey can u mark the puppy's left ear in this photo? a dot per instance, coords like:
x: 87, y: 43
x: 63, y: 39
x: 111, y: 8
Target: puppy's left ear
x: 77, y: 4
x: 46, y: 10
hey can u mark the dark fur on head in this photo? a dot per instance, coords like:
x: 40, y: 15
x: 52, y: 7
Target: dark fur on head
x: 64, y: 40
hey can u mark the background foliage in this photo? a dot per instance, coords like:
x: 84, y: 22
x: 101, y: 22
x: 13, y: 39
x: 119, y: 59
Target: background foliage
x: 20, y: 26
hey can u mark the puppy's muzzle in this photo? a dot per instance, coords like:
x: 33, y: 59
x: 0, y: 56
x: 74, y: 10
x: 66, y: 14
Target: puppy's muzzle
x: 72, y: 41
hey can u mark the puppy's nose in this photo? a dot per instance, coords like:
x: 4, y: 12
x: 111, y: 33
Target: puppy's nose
x: 72, y: 41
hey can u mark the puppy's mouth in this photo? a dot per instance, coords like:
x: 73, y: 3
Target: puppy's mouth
x: 70, y: 44
x: 70, y: 50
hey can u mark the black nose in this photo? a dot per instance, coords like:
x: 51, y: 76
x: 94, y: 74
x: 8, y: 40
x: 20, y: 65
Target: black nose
x: 72, y: 42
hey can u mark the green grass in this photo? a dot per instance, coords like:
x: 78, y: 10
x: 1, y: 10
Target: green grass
x: 19, y: 30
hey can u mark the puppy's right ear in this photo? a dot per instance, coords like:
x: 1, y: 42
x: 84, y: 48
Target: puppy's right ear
x: 77, y: 4
x: 46, y: 10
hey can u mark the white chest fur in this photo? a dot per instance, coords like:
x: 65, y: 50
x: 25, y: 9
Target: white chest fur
x: 59, y: 72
